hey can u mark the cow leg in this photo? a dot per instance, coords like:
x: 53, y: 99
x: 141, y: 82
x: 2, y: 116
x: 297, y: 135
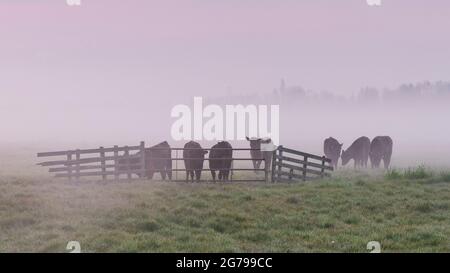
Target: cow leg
x: 169, y: 174
x: 387, y: 162
x: 256, y: 165
x: 213, y: 174
x: 187, y: 176
x: 163, y: 175
x: 224, y: 175
x: 197, y: 175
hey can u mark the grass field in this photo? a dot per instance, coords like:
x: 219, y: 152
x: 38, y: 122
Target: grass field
x: 405, y: 210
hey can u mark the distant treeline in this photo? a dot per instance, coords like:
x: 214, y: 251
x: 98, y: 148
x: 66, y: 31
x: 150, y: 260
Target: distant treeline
x: 424, y: 91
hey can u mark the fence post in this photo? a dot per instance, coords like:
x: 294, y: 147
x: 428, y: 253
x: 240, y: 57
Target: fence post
x: 274, y: 158
x: 143, y: 166
x: 266, y: 170
x: 102, y: 157
x: 280, y: 161
x: 305, y: 166
x: 128, y: 160
x: 78, y: 164
x: 323, y: 167
x: 69, y: 165
x: 116, y: 162
x: 176, y: 164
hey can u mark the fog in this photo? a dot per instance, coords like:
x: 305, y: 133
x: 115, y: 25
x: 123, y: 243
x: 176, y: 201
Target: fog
x: 109, y: 72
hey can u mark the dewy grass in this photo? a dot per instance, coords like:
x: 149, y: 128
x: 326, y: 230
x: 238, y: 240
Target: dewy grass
x: 341, y: 214
x: 393, y: 174
x: 445, y: 177
x: 418, y: 173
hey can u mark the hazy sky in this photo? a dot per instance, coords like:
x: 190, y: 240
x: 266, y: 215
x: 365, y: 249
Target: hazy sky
x: 113, y: 59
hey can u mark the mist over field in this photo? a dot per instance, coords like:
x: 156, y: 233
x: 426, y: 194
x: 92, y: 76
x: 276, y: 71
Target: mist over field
x: 415, y: 116
x: 110, y: 72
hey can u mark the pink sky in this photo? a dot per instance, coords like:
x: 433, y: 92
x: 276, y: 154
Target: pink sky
x: 127, y: 54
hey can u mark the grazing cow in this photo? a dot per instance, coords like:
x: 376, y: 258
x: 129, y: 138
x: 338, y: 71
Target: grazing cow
x: 332, y: 149
x: 358, y: 151
x: 258, y: 154
x: 381, y: 149
x: 220, y: 160
x: 157, y: 159
x: 193, y: 156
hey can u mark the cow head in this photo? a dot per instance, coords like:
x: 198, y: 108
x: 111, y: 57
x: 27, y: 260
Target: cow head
x: 345, y: 157
x: 255, y: 143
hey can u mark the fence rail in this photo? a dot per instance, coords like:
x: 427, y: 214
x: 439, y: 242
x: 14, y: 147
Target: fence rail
x: 289, y: 164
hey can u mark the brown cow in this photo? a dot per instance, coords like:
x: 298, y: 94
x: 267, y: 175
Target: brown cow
x: 332, y: 149
x: 381, y: 149
x: 220, y: 158
x: 257, y: 154
x: 194, y: 156
x: 358, y: 151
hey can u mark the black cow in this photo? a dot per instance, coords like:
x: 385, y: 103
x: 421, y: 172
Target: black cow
x: 332, y: 149
x: 381, y: 149
x: 193, y: 156
x: 358, y: 151
x: 220, y: 160
x: 157, y: 159
x: 257, y: 155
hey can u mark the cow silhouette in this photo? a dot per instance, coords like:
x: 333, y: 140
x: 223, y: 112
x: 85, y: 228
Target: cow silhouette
x: 332, y: 150
x: 157, y: 159
x: 220, y: 158
x: 257, y: 154
x: 358, y: 151
x: 381, y: 149
x: 194, y: 156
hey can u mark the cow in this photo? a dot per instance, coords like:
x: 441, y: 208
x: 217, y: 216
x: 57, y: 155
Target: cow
x: 157, y: 159
x: 332, y: 149
x: 381, y: 149
x: 358, y: 151
x: 257, y: 154
x: 193, y: 156
x: 220, y: 160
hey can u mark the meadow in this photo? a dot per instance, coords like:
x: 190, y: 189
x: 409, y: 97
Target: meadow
x: 406, y: 210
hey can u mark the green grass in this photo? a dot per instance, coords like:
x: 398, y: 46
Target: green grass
x: 406, y: 211
x: 416, y: 173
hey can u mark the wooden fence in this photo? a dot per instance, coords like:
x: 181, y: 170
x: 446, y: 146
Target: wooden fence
x: 289, y: 164
x: 118, y: 161
x: 105, y: 164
